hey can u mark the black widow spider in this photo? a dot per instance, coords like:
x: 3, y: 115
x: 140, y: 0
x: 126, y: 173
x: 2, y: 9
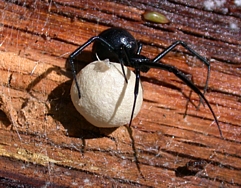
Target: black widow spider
x: 119, y: 45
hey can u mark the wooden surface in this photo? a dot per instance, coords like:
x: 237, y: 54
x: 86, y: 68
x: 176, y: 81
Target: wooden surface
x: 44, y: 141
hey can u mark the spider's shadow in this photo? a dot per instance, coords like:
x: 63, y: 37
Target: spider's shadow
x: 61, y: 107
x: 75, y: 124
x: 63, y: 110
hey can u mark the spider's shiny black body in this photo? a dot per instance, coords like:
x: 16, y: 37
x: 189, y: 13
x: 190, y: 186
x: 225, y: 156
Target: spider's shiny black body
x: 125, y: 48
x: 117, y: 38
x: 119, y: 45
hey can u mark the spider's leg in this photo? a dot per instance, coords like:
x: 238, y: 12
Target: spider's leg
x: 78, y: 52
x: 122, y: 68
x: 183, y: 77
x: 137, y: 72
x: 122, y: 54
x: 190, y: 94
x: 139, y: 48
x: 136, y: 90
x: 193, y: 52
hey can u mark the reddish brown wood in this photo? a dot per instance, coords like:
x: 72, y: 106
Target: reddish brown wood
x: 45, y: 141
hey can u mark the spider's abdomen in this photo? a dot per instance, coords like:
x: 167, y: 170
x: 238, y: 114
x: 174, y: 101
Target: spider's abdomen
x: 117, y: 38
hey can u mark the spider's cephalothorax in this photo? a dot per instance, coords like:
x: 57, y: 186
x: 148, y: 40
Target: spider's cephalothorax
x: 119, y: 45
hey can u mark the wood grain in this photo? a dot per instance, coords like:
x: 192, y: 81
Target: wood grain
x: 45, y: 142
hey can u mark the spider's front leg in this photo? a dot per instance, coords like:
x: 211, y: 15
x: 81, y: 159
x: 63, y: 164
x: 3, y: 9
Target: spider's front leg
x: 136, y: 91
x: 123, y: 56
x: 78, y: 51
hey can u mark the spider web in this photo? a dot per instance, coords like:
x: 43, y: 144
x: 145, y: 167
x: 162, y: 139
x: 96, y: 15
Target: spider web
x: 50, y: 144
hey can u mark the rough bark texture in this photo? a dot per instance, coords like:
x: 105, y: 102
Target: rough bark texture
x: 44, y: 141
